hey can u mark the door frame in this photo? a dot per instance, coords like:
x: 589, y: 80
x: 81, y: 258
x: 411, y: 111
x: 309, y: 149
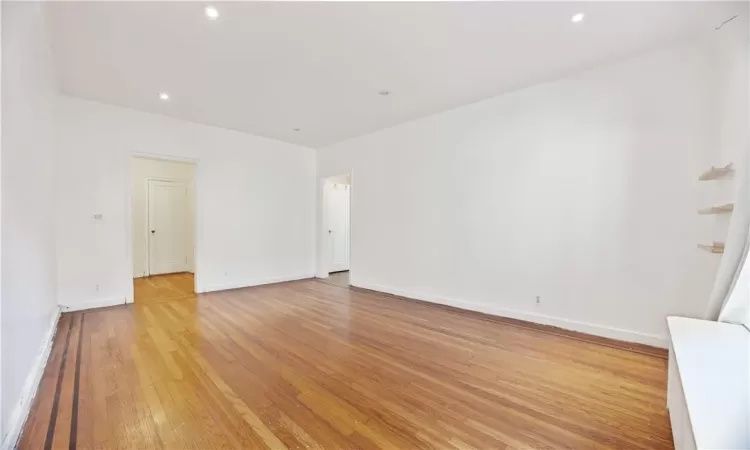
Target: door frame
x: 146, y: 232
x: 324, y: 263
x: 332, y: 267
x: 128, y: 273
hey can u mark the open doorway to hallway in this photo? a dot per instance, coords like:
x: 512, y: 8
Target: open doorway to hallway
x: 163, y: 206
x: 337, y: 204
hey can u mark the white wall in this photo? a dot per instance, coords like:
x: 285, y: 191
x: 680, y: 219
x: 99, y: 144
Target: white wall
x: 732, y: 75
x: 255, y: 201
x: 582, y: 191
x: 143, y: 170
x: 340, y: 179
x: 29, y: 303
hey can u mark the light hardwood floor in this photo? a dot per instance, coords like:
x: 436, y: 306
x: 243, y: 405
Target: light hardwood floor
x: 312, y: 365
x: 337, y: 278
x: 159, y: 288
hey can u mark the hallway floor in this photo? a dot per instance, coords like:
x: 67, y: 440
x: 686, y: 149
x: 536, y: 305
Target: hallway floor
x: 339, y: 278
x: 171, y: 286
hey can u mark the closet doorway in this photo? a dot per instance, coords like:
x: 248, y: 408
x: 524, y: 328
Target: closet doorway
x: 337, y: 201
x: 163, y: 206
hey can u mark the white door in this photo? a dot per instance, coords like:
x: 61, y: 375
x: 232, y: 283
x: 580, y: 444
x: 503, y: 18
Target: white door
x: 338, y: 226
x: 168, y: 234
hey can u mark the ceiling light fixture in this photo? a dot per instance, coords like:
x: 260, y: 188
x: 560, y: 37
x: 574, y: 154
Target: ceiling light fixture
x: 163, y: 96
x: 211, y: 12
x: 577, y: 17
x: 295, y: 129
x: 384, y: 93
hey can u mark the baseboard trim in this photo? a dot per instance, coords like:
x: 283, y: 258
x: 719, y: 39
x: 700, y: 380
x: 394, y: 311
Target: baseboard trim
x: 92, y: 304
x: 252, y: 283
x: 28, y: 392
x: 566, y: 325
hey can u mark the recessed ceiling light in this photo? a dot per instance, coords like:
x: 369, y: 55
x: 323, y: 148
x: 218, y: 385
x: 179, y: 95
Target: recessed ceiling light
x: 384, y: 93
x: 211, y: 12
x: 577, y: 17
x: 164, y: 96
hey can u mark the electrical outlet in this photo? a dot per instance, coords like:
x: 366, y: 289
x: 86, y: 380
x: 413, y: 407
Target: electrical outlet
x: 538, y: 300
x: 97, y: 288
x: 226, y: 274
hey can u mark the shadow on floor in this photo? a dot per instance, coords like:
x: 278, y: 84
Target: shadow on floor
x: 339, y: 278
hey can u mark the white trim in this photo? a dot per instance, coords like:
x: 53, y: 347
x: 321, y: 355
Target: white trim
x: 351, y: 227
x: 252, y: 282
x: 23, y: 408
x: 567, y: 324
x: 323, y: 265
x: 100, y: 303
x: 333, y: 266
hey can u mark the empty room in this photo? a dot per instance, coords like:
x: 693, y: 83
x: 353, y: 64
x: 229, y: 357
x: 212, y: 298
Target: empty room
x: 359, y: 225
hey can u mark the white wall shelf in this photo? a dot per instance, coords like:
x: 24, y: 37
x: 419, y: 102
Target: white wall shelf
x: 715, y: 173
x: 716, y: 247
x: 720, y: 209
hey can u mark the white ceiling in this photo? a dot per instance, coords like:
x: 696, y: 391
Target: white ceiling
x: 266, y: 68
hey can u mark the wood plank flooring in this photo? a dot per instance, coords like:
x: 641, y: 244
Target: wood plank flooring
x: 313, y: 365
x: 158, y: 288
x: 337, y: 278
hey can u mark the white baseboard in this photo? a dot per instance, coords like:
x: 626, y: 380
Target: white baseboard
x: 250, y: 283
x: 100, y: 303
x: 21, y: 412
x: 567, y: 324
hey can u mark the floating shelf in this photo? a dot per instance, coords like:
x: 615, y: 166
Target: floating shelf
x: 721, y: 209
x: 716, y: 247
x: 714, y: 173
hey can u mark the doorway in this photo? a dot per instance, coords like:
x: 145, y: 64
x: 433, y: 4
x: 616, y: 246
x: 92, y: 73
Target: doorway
x: 337, y: 204
x: 168, y: 244
x: 163, y: 208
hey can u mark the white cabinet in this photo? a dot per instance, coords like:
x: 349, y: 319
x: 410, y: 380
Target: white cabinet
x: 678, y: 415
x: 708, y: 392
